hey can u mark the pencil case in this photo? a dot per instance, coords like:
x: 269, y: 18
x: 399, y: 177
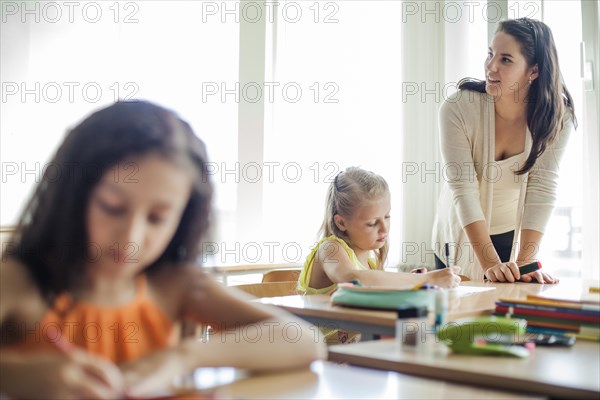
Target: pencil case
x: 381, y: 298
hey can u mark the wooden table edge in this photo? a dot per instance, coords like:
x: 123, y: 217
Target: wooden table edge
x: 471, y: 378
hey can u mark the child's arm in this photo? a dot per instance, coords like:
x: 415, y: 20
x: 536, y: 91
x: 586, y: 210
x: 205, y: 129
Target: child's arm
x: 246, y: 331
x: 72, y: 374
x: 333, y: 260
x: 247, y: 335
x: 59, y: 376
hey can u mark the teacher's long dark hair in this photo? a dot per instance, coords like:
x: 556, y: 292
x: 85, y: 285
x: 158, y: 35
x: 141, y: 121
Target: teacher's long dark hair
x: 548, y: 98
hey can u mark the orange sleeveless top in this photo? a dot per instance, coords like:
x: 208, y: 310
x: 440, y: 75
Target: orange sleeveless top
x: 120, y: 334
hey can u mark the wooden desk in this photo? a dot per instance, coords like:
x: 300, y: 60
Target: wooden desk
x: 549, y: 371
x: 317, y: 309
x: 326, y: 380
x: 228, y: 270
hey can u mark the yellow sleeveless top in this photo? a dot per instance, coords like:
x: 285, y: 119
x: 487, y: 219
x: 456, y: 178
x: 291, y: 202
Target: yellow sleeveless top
x: 304, y: 278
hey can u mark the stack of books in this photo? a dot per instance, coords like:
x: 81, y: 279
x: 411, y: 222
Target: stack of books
x: 556, y: 314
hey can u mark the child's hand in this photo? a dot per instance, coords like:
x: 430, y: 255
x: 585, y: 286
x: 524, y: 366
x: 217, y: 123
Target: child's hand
x: 154, y: 372
x: 76, y: 375
x: 445, y: 277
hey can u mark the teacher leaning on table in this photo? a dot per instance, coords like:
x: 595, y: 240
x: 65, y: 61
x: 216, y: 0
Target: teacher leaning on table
x: 501, y: 142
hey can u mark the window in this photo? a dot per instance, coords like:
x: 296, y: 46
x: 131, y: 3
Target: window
x: 561, y: 250
x: 58, y: 67
x: 342, y: 65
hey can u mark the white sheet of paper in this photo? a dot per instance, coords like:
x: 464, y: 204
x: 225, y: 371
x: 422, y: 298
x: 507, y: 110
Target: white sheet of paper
x: 460, y: 291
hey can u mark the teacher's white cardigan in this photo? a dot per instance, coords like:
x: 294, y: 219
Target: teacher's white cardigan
x: 467, y: 145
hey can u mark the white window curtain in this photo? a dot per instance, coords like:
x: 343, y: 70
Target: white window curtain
x: 54, y: 71
x: 590, y: 72
x: 445, y: 42
x: 341, y: 63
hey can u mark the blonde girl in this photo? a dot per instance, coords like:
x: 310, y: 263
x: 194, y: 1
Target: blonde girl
x: 354, y: 239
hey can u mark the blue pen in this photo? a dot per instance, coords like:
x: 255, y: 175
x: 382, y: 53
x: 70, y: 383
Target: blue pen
x: 427, y: 286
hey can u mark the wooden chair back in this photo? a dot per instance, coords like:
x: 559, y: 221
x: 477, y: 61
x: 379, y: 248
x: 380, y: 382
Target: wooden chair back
x: 281, y: 275
x: 270, y: 289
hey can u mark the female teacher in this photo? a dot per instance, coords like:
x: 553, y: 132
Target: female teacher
x: 502, y: 140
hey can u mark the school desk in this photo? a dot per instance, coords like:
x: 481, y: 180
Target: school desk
x: 325, y: 380
x: 225, y: 271
x: 471, y: 299
x: 557, y: 372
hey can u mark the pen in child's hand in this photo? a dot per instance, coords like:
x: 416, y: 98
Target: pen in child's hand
x: 63, y: 346
x: 110, y: 378
x: 447, y: 251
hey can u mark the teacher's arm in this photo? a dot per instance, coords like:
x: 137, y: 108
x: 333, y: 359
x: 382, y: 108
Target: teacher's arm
x: 530, y: 245
x: 495, y: 269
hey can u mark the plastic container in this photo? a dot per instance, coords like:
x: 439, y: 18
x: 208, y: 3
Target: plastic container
x: 441, y: 308
x: 412, y: 327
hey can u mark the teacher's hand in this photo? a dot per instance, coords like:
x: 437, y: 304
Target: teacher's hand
x: 538, y: 276
x: 503, y: 272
